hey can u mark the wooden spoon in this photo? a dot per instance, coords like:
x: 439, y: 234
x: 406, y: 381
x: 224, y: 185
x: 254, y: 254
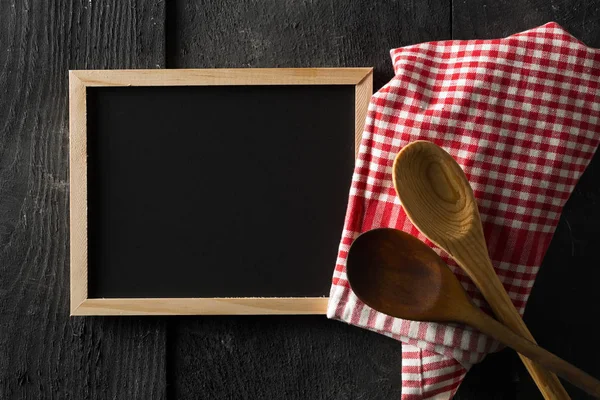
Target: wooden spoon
x: 438, y: 199
x: 398, y: 275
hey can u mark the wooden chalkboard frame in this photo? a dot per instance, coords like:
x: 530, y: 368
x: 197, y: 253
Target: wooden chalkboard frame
x: 80, y: 80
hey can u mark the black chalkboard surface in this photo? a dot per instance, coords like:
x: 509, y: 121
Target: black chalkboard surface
x: 226, y: 191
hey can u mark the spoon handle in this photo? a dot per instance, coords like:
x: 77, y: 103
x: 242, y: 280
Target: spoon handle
x: 480, y: 269
x: 571, y: 373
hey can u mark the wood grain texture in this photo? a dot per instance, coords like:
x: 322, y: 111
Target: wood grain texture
x: 362, y: 95
x: 223, y: 76
x: 275, y: 357
x: 44, y: 354
x: 482, y: 19
x: 204, y: 306
x: 299, y: 357
x: 295, y: 34
x: 556, y: 312
x: 78, y: 192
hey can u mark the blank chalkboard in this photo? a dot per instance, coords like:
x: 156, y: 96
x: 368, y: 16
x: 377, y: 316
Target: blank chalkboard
x: 206, y: 198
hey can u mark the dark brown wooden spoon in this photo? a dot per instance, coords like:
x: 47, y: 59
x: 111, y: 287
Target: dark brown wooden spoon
x: 438, y: 199
x: 397, y: 274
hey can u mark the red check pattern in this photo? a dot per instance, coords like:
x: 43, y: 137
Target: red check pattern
x: 521, y: 117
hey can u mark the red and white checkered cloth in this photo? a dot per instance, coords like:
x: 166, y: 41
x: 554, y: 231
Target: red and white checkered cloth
x: 520, y: 115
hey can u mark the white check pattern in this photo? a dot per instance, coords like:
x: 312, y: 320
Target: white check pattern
x: 520, y: 115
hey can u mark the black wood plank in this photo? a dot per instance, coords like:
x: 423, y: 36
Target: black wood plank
x: 290, y: 357
x: 45, y: 354
x: 281, y: 357
x: 561, y: 312
x: 486, y: 19
x: 300, y: 33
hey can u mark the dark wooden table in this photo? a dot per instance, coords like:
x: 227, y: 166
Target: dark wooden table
x: 45, y: 354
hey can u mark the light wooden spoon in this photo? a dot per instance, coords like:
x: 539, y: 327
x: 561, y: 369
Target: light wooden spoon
x: 397, y: 274
x: 438, y: 199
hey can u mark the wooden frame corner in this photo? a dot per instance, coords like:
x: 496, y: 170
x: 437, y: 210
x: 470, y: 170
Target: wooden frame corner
x: 362, y: 96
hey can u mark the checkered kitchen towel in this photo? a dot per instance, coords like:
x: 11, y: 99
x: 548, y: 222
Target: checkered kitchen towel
x: 521, y: 117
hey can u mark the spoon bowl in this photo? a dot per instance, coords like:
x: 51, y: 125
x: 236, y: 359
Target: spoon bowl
x: 418, y: 289
x: 439, y: 191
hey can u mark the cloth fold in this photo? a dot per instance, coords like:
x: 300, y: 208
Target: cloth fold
x: 520, y: 115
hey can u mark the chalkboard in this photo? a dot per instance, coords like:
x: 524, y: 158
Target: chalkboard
x: 210, y: 191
